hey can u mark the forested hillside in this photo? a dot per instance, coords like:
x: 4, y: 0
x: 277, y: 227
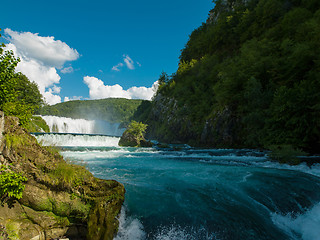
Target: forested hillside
x: 110, y: 109
x: 248, y: 77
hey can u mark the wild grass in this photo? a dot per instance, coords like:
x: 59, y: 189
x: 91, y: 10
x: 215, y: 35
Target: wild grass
x: 16, y: 141
x: 69, y: 175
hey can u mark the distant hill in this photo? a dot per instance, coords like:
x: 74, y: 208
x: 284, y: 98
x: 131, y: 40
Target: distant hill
x: 109, y: 109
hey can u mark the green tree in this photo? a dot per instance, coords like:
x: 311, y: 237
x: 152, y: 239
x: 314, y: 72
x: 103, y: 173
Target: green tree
x: 137, y: 129
x: 18, y: 95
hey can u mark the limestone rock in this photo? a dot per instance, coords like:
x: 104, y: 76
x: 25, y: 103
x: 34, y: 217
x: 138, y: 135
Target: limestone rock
x: 53, y: 205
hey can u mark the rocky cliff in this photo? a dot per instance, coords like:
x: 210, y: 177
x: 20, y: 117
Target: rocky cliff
x: 59, y: 199
x: 169, y: 122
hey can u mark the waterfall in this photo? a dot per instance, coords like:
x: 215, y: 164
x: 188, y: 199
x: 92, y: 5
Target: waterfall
x: 70, y: 125
x: 76, y: 140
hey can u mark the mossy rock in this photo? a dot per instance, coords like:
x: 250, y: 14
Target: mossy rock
x: 59, y: 198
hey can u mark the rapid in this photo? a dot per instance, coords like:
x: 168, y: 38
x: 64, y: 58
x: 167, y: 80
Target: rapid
x: 189, y: 193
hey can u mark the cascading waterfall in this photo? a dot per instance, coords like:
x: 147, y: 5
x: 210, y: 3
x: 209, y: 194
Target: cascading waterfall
x: 70, y: 125
x: 76, y: 140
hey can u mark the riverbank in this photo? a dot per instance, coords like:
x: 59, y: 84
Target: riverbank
x: 49, y: 198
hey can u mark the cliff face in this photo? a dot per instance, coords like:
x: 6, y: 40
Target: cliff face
x: 169, y: 122
x: 59, y: 199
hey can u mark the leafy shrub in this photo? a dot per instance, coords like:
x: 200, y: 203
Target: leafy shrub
x: 11, y: 184
x: 137, y: 129
x: 285, y: 154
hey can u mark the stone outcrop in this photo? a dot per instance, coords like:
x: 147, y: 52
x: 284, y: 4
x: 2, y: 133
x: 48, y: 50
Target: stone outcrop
x: 129, y: 140
x: 60, y: 199
x: 171, y: 123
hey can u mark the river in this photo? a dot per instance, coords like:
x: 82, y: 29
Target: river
x: 187, y: 193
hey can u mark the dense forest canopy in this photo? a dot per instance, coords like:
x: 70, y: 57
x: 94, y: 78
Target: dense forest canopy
x: 110, y: 109
x: 258, y: 60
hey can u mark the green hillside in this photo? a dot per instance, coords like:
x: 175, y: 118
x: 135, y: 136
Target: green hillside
x: 110, y: 109
x: 248, y: 77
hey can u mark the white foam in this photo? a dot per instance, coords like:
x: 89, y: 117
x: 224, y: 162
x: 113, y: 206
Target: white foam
x: 175, y: 232
x: 305, y: 226
x: 94, y: 155
x: 69, y: 140
x: 129, y: 228
x: 302, y: 167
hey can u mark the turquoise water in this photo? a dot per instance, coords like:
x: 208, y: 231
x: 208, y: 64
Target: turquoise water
x: 206, y: 194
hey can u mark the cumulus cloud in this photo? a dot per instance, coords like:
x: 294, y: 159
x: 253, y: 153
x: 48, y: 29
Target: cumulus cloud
x: 128, y: 62
x: 67, y: 99
x: 45, y: 49
x: 40, y: 57
x: 98, y: 90
x: 51, y: 98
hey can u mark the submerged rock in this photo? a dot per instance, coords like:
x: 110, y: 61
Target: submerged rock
x: 60, y: 200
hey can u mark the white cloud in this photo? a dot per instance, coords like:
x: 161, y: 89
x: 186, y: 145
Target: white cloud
x: 117, y: 67
x: 45, y: 49
x: 129, y: 62
x: 97, y: 90
x: 67, y: 70
x: 66, y: 99
x: 51, y: 98
x: 40, y: 56
x: 56, y: 89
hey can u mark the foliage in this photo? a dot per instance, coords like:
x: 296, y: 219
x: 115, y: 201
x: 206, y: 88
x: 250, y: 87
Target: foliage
x: 110, y: 109
x: 19, y: 109
x: 18, y: 96
x: 133, y: 136
x: 258, y: 60
x: 137, y: 129
x: 16, y: 141
x: 142, y: 111
x: 37, y: 124
x: 11, y: 184
x: 285, y: 154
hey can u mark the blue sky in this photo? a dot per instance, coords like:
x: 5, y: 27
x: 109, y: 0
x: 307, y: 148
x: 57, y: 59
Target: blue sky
x: 96, y: 49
